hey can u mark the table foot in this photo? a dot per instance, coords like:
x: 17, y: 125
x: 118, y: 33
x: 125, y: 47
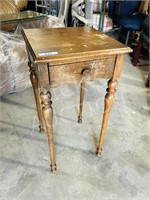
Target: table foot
x: 53, y: 167
x: 79, y: 120
x: 41, y: 129
x: 98, y: 152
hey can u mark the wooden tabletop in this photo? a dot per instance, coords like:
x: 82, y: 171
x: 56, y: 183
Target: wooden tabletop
x: 72, y: 44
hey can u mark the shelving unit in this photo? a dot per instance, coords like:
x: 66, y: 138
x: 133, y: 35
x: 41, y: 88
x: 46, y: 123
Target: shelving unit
x: 47, y: 6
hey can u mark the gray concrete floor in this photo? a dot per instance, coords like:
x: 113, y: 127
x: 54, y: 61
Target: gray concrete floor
x: 122, y: 171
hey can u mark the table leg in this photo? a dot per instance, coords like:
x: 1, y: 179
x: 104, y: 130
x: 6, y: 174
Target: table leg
x: 109, y: 99
x: 48, y: 117
x: 148, y: 81
x: 85, y: 73
x: 34, y: 81
x: 81, y: 101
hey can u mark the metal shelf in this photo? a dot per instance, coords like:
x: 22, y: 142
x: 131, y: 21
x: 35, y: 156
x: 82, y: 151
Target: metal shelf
x: 47, y: 6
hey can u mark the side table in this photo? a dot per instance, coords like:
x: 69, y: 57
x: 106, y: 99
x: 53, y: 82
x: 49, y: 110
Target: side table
x: 71, y: 55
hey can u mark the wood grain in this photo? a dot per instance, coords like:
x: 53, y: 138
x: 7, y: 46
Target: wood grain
x: 54, y: 76
x: 72, y: 44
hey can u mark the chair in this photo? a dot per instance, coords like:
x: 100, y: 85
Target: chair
x: 144, y: 38
x: 13, y: 64
x: 125, y: 14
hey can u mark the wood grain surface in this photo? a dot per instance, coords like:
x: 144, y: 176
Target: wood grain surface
x: 68, y: 45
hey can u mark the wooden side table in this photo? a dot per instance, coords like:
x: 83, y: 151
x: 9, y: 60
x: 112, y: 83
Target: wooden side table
x: 71, y: 55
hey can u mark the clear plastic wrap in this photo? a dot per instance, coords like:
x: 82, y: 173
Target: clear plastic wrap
x: 11, y: 6
x: 48, y: 22
x: 14, y: 74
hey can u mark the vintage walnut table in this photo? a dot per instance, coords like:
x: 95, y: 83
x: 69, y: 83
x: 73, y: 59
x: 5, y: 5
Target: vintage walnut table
x: 71, y: 55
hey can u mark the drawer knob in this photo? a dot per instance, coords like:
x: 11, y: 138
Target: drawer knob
x: 86, y: 72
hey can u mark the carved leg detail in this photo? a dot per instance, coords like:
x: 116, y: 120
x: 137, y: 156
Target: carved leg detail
x: 85, y: 74
x: 109, y: 99
x: 81, y: 101
x: 34, y: 82
x: 48, y: 117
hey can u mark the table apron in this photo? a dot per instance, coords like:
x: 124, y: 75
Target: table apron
x: 54, y: 76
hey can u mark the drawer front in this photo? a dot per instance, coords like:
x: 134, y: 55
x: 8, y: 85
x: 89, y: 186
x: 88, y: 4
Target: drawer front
x: 75, y: 72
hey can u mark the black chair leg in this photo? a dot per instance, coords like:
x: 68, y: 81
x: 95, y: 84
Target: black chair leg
x: 147, y: 84
x: 127, y: 38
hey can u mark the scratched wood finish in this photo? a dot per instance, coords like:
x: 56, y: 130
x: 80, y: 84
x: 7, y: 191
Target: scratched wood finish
x: 72, y: 44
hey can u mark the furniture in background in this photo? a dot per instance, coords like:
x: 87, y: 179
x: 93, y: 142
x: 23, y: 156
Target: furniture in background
x: 13, y: 59
x: 20, y: 17
x: 143, y: 39
x: 71, y: 55
x: 82, y: 12
x: 125, y: 15
x: 91, y: 13
x: 59, y: 8
x: 50, y: 7
x: 8, y: 7
x: 13, y: 10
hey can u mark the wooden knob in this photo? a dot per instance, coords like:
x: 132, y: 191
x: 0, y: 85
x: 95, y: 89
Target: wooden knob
x: 86, y: 72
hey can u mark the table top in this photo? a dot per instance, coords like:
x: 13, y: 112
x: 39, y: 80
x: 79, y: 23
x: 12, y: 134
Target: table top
x: 71, y: 44
x: 20, y: 17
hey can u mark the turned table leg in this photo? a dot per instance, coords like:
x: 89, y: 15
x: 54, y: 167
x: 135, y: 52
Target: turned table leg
x: 48, y: 117
x: 81, y: 101
x: 34, y: 81
x: 85, y: 73
x: 109, y: 99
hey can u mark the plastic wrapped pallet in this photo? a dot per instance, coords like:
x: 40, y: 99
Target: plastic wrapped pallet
x: 14, y: 74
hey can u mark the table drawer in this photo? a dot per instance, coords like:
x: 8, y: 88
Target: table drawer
x: 55, y: 76
x: 74, y: 73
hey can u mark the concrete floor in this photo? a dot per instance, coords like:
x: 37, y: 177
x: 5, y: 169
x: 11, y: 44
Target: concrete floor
x: 121, y: 173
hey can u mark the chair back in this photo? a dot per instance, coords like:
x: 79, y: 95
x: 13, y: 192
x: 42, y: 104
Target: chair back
x: 122, y: 8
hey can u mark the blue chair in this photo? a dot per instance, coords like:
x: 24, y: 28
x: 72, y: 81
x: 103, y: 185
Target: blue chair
x: 124, y: 14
